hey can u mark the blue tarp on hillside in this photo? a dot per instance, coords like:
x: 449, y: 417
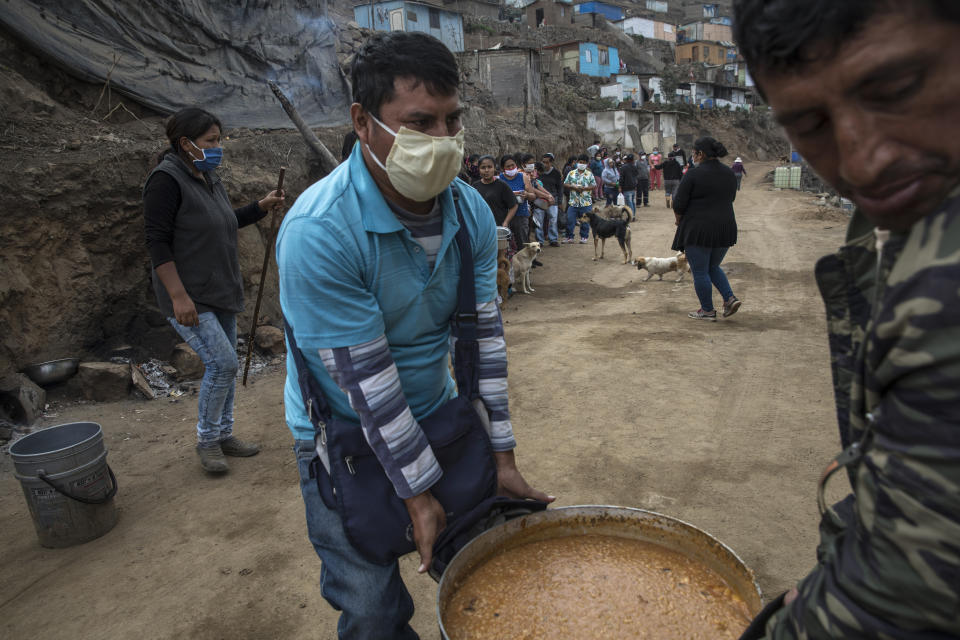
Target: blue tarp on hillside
x: 216, y: 54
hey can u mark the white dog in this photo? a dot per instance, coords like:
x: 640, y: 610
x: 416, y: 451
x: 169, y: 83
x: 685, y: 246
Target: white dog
x: 660, y: 266
x: 522, y: 265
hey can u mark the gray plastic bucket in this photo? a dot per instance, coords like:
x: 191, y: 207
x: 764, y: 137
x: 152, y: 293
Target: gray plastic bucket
x: 68, y: 485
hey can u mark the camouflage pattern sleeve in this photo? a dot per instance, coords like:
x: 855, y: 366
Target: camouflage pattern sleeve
x: 894, y: 571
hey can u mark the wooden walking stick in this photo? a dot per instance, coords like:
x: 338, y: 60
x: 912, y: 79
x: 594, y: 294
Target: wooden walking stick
x: 263, y: 275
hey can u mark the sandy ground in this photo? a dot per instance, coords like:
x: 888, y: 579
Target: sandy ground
x: 617, y: 398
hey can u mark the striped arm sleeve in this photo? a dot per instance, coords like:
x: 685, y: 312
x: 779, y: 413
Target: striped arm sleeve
x: 493, y: 373
x: 368, y: 375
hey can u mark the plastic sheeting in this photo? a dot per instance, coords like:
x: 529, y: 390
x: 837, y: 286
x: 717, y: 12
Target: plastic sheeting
x: 215, y: 54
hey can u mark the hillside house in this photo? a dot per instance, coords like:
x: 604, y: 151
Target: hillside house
x: 480, y: 8
x: 627, y: 87
x: 611, y: 12
x: 706, y: 10
x: 511, y: 74
x: 587, y: 58
x: 637, y: 131
x: 413, y: 15
x: 651, y: 29
x: 716, y: 53
x: 549, y: 12
x: 710, y: 31
x: 708, y: 95
x: 669, y: 11
x: 716, y: 87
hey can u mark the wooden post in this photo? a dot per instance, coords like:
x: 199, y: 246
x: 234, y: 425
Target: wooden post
x: 327, y: 161
x: 263, y: 276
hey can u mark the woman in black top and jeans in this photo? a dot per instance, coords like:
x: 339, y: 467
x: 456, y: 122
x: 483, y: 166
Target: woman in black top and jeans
x: 706, y: 225
x: 191, y: 230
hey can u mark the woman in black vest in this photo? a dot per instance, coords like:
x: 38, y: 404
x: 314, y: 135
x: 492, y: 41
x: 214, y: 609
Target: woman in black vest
x: 706, y: 225
x: 191, y: 230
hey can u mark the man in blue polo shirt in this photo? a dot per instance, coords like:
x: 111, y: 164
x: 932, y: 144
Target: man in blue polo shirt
x: 369, y: 271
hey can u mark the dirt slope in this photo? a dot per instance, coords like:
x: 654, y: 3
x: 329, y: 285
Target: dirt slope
x: 617, y: 398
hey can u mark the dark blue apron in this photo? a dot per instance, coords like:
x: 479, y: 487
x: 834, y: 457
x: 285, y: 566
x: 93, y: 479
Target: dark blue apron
x: 374, y: 518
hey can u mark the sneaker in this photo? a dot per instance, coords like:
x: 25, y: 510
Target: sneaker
x: 237, y: 448
x: 583, y: 241
x: 731, y: 306
x: 567, y: 240
x: 211, y: 458
x: 554, y: 244
x: 700, y: 314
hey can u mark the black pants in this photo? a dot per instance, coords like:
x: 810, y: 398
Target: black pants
x: 520, y: 228
x: 643, y: 192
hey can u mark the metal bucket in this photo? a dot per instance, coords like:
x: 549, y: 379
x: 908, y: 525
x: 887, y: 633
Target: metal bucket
x: 67, y: 483
x: 503, y: 238
x: 621, y: 522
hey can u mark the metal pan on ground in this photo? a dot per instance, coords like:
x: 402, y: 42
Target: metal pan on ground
x: 536, y: 532
x: 44, y: 373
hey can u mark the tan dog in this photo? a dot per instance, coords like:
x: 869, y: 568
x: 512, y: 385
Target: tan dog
x: 522, y: 264
x: 660, y: 266
x: 613, y: 212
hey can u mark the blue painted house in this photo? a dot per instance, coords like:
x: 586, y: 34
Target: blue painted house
x: 609, y: 11
x: 410, y: 15
x: 587, y: 58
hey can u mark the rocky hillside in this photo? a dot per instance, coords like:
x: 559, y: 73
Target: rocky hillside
x: 74, y: 273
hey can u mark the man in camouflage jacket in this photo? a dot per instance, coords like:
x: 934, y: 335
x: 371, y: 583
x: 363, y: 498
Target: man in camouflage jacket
x: 868, y: 92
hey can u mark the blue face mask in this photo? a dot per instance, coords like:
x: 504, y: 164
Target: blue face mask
x: 211, y: 158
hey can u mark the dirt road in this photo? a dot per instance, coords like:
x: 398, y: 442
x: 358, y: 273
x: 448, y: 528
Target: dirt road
x: 617, y: 398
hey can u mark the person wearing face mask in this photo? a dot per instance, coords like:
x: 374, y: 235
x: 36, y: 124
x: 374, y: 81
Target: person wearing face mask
x: 580, y: 184
x: 191, y: 235
x: 373, y: 260
x: 656, y: 175
x: 519, y: 183
x: 596, y: 168
x: 552, y: 181
x: 611, y: 181
x: 541, y: 204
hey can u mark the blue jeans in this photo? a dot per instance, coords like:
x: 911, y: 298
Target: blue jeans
x: 551, y: 223
x: 610, y: 193
x: 536, y: 219
x: 631, y: 199
x: 705, y: 266
x: 215, y: 341
x: 375, y: 603
x: 572, y: 214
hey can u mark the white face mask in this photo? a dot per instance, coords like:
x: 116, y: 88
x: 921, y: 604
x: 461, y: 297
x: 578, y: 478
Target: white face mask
x: 420, y: 166
x: 581, y: 166
x: 511, y: 173
x: 529, y: 168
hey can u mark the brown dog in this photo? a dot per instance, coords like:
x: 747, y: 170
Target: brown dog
x: 613, y: 212
x: 503, y: 276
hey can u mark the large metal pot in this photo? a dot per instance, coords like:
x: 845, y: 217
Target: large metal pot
x: 623, y: 522
x: 44, y: 373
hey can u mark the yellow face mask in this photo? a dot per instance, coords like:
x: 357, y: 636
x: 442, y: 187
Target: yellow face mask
x: 420, y: 166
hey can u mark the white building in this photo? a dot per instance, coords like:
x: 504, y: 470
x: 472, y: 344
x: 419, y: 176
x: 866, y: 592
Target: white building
x: 653, y: 29
x: 639, y: 131
x: 627, y: 87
